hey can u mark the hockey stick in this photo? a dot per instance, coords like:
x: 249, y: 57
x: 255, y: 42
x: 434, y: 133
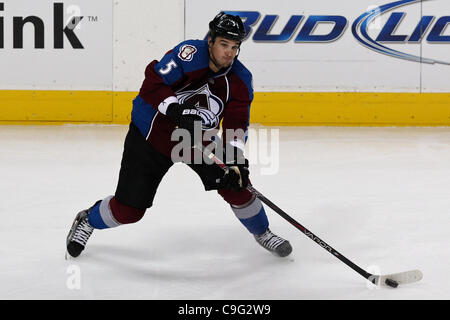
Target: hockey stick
x: 390, y: 280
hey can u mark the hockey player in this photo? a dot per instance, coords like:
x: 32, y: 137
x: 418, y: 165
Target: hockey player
x: 197, y: 82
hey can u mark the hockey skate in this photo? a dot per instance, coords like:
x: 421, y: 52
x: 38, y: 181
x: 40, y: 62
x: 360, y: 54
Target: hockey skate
x: 78, y: 234
x: 274, y: 243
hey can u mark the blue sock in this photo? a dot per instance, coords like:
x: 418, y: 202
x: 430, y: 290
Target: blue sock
x: 94, y: 217
x: 257, y: 224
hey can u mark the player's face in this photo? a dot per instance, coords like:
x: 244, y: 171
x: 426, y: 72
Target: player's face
x: 222, y: 52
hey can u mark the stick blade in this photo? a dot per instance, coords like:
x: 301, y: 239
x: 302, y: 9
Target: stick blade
x: 400, y: 278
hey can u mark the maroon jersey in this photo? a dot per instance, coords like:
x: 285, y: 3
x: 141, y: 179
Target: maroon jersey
x: 183, y: 76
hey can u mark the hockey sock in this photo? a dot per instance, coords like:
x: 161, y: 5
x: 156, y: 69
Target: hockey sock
x: 253, y: 217
x: 110, y: 213
x: 100, y: 215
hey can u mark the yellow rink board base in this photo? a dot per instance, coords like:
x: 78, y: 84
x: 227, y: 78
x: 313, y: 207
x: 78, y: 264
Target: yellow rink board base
x: 268, y: 108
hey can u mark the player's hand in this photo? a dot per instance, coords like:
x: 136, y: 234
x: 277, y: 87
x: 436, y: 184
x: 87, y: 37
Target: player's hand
x: 236, y: 172
x: 184, y: 116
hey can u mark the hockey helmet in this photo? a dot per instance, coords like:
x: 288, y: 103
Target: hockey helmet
x: 227, y: 26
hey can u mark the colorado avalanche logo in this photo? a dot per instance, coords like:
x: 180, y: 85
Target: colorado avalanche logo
x: 187, y: 52
x: 209, y: 105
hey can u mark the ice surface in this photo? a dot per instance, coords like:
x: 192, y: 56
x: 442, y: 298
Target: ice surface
x: 380, y: 196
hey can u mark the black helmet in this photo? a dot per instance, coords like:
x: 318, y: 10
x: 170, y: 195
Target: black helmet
x: 227, y: 26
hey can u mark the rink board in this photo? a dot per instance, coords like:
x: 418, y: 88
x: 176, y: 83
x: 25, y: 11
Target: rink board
x: 357, y: 62
x: 268, y: 108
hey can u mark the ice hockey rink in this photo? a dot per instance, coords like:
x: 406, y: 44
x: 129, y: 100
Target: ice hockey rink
x: 379, y: 195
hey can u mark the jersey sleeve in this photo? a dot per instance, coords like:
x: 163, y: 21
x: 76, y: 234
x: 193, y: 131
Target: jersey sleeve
x: 162, y: 76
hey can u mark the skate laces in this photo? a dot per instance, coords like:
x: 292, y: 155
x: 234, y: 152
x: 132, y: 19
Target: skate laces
x: 269, y: 240
x: 82, y: 232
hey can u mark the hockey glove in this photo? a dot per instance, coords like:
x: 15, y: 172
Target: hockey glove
x: 184, y: 116
x: 236, y: 172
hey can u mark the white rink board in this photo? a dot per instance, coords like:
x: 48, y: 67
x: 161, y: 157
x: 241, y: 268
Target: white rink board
x: 121, y: 37
x: 50, y: 68
x: 435, y: 79
x: 142, y: 34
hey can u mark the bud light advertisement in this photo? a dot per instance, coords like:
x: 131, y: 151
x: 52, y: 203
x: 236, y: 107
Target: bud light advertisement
x: 389, y: 46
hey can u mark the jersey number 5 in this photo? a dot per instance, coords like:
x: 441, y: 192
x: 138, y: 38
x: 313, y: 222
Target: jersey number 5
x: 169, y: 66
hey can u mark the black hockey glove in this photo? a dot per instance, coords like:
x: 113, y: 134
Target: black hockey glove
x: 236, y: 172
x: 184, y: 116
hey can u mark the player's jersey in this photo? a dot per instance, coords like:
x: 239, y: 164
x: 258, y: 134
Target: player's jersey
x: 183, y: 76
